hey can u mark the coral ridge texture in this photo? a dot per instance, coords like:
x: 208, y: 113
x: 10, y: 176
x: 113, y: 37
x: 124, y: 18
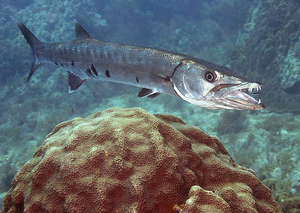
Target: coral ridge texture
x: 127, y: 160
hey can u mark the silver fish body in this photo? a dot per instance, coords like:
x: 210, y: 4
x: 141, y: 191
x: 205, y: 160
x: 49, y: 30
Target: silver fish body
x: 156, y: 71
x: 93, y: 59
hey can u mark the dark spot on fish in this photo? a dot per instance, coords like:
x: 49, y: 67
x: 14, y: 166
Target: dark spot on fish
x: 89, y: 72
x: 107, y: 73
x: 61, y: 64
x: 43, y: 47
x: 72, y: 63
x: 137, y: 80
x: 94, y: 70
x: 56, y: 63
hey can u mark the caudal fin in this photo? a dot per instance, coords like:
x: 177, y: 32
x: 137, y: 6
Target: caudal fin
x: 32, y: 41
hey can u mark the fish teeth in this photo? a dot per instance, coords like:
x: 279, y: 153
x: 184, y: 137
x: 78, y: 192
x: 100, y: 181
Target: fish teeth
x: 259, y: 101
x: 256, y: 90
x: 251, y: 89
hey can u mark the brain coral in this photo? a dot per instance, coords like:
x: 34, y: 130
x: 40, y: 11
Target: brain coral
x: 127, y: 160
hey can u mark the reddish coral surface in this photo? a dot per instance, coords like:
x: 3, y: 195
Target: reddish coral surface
x: 127, y: 160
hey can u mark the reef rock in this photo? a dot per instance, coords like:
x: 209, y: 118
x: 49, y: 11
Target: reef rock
x: 127, y: 160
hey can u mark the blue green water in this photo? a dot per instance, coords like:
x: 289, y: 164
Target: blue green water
x: 258, y: 39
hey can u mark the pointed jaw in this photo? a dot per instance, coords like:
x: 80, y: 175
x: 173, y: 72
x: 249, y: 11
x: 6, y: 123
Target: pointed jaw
x: 236, y: 96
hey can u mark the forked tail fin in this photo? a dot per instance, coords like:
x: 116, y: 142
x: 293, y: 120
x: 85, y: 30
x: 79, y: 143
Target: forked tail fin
x: 32, y: 41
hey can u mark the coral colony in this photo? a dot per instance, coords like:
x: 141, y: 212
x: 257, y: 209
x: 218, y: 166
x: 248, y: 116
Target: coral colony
x: 123, y: 160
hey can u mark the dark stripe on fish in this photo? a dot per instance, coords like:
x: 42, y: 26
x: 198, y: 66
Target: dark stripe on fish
x: 94, y: 70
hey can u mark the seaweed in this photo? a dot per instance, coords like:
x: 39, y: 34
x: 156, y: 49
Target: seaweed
x: 282, y: 186
x: 281, y: 192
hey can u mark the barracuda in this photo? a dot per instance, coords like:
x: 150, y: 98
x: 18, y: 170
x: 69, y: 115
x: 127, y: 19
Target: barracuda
x: 156, y: 71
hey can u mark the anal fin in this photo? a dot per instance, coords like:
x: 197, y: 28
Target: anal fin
x: 148, y: 93
x: 75, y: 81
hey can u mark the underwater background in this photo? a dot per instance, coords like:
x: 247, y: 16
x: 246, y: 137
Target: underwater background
x: 258, y: 39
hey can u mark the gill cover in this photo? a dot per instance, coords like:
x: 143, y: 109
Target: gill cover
x: 191, y: 82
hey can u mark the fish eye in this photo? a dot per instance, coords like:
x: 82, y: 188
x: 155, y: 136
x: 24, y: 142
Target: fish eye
x: 210, y: 76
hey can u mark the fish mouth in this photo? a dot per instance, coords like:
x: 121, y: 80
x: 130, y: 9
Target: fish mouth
x: 237, y: 96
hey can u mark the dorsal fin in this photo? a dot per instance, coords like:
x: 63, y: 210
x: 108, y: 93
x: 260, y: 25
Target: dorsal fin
x: 80, y: 32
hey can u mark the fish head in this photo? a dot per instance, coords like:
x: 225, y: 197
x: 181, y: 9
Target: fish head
x: 215, y: 87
